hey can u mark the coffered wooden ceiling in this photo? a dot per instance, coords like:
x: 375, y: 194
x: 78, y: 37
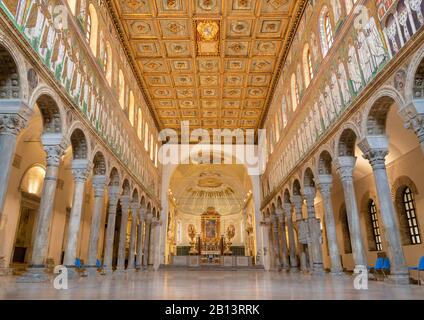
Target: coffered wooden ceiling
x: 210, y: 62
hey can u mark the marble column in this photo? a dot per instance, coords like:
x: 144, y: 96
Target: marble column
x: 284, y: 258
x: 267, y: 257
x: 276, y: 243
x: 298, y: 203
x: 135, y: 207
x: 375, y: 150
x: 148, y: 221
x: 80, y: 169
x: 314, y: 231
x: 294, y: 267
x: 99, y: 184
x: 114, y: 192
x: 125, y: 204
x: 325, y: 183
x: 344, y: 167
x: 54, y: 152
x: 413, y: 115
x: 140, y: 243
x: 14, y: 115
x: 156, y: 224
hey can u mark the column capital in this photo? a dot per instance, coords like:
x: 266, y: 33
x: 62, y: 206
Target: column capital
x: 156, y: 222
x: 80, y: 170
x: 135, y: 206
x: 265, y: 222
x: 142, y: 213
x: 297, y: 202
x: 375, y: 150
x: 149, y: 217
x: 114, y: 192
x: 413, y: 116
x: 287, y: 207
x: 99, y: 184
x: 309, y: 194
x: 54, y: 154
x: 345, y: 166
x: 324, y: 184
x: 14, y: 116
x: 125, y: 201
x: 279, y: 212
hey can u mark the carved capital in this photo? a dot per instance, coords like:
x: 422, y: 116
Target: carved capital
x: 325, y: 183
x: 54, y: 154
x: 297, y: 202
x: 135, y: 206
x: 287, y: 207
x: 344, y: 167
x: 142, y: 214
x: 12, y: 124
x: 149, y: 217
x: 280, y: 215
x: 413, y: 115
x: 99, y: 185
x: 125, y: 203
x: 114, y: 192
x: 309, y: 193
x: 80, y: 170
x: 375, y: 150
x: 266, y: 222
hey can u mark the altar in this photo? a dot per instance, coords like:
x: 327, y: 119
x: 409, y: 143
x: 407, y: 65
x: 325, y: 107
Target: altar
x: 212, y: 245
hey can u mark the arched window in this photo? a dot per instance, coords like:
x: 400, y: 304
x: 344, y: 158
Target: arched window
x: 307, y: 65
x: 372, y: 211
x: 131, y: 112
x: 107, y: 61
x: 88, y: 28
x: 326, y: 31
x: 277, y: 127
x: 151, y: 147
x: 146, y: 137
x: 411, y: 216
x: 73, y: 6
x: 294, y: 92
x: 139, y: 124
x: 121, y: 89
x: 92, y: 28
x: 284, y: 111
x: 156, y: 155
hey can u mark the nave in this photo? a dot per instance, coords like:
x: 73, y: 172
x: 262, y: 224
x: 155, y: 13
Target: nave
x: 212, y: 285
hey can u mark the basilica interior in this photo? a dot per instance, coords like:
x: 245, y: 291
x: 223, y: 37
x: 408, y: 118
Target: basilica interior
x: 276, y: 145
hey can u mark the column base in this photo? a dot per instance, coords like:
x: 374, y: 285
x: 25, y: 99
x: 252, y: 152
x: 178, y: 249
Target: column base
x: 6, y: 272
x: 120, y: 271
x: 294, y: 270
x: 34, y: 275
x: 92, y: 272
x: 74, y: 274
x: 401, y: 278
x: 285, y: 269
x: 107, y: 271
x: 338, y: 273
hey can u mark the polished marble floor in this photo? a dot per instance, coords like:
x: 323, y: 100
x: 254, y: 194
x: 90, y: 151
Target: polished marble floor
x: 209, y: 285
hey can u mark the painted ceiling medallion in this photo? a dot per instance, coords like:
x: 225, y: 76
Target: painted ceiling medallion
x: 207, y: 5
x: 208, y: 31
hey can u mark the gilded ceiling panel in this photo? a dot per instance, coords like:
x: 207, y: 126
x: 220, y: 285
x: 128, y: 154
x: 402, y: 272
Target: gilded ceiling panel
x: 210, y: 62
